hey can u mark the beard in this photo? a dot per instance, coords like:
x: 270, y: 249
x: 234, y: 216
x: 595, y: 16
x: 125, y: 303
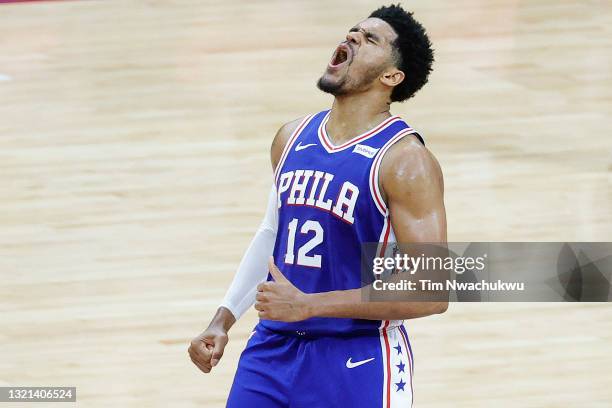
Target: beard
x: 330, y: 87
x: 348, y: 84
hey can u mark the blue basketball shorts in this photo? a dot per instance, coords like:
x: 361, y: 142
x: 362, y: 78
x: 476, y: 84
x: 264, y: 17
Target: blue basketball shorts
x: 280, y: 370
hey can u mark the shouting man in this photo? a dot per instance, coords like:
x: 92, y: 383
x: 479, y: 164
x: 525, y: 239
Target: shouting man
x: 342, y: 177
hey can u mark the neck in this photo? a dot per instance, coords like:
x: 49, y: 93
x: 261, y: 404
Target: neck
x: 352, y: 115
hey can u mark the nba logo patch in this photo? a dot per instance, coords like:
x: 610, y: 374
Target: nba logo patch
x: 366, y: 151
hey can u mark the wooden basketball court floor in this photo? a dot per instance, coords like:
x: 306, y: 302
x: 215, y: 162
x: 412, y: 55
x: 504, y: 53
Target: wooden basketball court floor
x: 134, y: 169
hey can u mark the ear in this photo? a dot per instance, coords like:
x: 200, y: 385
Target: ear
x: 392, y: 78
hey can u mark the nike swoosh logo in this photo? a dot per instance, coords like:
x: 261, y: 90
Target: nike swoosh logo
x: 302, y: 147
x: 350, y: 364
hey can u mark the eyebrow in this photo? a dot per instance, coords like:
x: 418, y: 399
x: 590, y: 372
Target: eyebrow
x: 366, y: 33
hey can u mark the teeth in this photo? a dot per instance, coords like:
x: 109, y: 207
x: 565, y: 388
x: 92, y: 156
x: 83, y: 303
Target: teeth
x: 340, y: 57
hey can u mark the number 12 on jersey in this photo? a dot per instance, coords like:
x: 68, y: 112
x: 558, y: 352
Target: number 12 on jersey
x: 303, y: 258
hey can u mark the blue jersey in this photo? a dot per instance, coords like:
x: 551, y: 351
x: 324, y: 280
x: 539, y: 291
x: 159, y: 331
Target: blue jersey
x: 329, y: 203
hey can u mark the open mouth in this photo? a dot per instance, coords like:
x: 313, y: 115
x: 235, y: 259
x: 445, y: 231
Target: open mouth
x: 340, y: 56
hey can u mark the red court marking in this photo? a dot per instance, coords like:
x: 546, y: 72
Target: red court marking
x: 27, y: 1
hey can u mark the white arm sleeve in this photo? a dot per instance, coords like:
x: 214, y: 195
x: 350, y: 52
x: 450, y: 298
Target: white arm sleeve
x: 253, y: 268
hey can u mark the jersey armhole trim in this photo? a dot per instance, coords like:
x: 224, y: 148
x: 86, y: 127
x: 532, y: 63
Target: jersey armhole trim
x: 375, y: 170
x: 288, y: 146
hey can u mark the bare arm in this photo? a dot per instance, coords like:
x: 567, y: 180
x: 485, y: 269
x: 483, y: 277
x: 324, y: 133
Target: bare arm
x: 280, y: 140
x: 412, y: 184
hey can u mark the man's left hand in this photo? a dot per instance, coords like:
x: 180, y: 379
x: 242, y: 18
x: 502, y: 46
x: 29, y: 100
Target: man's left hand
x: 280, y: 299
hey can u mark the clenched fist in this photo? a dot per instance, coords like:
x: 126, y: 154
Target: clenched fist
x: 207, y: 348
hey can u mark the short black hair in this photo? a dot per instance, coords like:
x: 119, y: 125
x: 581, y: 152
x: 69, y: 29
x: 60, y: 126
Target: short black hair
x: 413, y: 53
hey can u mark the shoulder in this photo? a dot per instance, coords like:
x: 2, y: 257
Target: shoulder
x: 280, y: 139
x: 409, y: 165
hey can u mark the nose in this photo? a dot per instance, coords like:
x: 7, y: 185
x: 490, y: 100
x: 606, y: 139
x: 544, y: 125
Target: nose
x: 354, y: 37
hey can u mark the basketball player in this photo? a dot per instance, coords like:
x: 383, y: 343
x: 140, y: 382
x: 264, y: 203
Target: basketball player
x: 342, y: 177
